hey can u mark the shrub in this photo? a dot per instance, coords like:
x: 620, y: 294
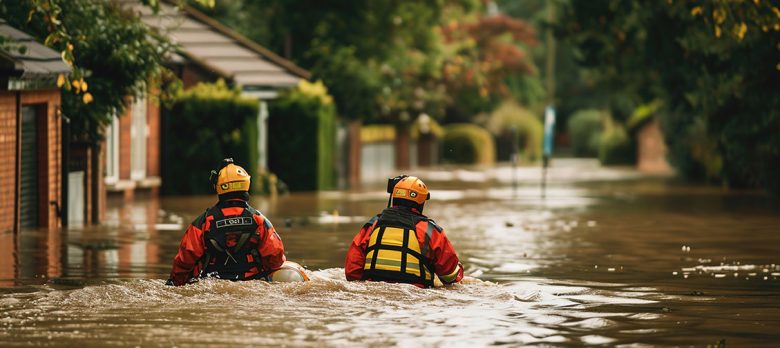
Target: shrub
x: 214, y: 122
x: 302, y: 138
x: 512, y: 125
x: 585, y: 128
x: 465, y: 143
x: 615, y: 146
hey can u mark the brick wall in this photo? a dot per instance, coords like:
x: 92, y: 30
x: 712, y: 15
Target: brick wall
x: 50, y: 156
x: 7, y: 160
x: 50, y: 152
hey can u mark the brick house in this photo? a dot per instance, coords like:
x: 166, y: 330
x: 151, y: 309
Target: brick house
x: 32, y: 185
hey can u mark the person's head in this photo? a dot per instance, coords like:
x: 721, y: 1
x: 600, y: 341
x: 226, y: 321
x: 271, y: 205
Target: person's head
x: 231, y: 181
x: 408, y: 191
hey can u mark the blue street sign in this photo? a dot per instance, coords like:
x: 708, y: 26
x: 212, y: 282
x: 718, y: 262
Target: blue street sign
x: 549, y: 130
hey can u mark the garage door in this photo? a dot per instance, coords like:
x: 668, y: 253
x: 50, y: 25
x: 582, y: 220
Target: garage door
x: 29, y: 170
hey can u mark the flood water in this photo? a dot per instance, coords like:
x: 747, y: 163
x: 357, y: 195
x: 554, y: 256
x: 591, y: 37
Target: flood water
x: 606, y: 258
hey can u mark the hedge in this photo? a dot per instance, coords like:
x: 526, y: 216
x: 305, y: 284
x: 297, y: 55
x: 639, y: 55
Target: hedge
x: 204, y: 125
x: 465, y: 143
x: 585, y: 128
x: 302, y: 138
x: 513, y: 125
x: 615, y: 146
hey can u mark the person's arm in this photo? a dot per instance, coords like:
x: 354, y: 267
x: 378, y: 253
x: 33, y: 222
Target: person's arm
x: 191, y: 250
x: 271, y: 248
x: 445, y: 261
x: 356, y: 255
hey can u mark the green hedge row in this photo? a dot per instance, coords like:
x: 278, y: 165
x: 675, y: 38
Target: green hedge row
x: 465, y: 143
x: 302, y: 138
x: 204, y: 125
x: 516, y: 130
x: 585, y: 128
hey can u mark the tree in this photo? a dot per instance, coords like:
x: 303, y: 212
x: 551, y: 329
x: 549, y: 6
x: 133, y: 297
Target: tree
x: 715, y: 66
x: 113, y: 54
x: 483, y: 54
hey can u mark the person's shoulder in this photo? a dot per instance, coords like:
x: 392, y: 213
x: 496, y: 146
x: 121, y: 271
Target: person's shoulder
x: 201, y: 219
x: 436, y: 226
x: 372, y: 220
x: 254, y: 211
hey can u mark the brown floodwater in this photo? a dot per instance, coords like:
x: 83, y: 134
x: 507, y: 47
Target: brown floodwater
x: 606, y: 258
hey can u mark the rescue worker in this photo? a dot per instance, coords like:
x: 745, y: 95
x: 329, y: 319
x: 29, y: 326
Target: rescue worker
x: 401, y: 245
x: 231, y: 240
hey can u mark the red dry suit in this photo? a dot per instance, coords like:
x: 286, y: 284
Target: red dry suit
x: 404, y: 246
x: 231, y: 240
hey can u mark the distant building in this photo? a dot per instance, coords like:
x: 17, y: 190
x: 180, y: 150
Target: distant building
x: 32, y: 184
x: 651, y: 148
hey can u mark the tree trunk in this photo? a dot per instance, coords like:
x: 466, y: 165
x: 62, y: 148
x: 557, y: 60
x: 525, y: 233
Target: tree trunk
x: 402, y: 146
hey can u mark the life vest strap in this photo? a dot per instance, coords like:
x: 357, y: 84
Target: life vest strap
x: 402, y: 249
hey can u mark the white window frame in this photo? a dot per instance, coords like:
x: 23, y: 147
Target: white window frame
x: 112, y: 151
x: 139, y: 132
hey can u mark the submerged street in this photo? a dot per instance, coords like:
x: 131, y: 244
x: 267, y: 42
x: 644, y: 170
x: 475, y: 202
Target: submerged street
x: 607, y: 257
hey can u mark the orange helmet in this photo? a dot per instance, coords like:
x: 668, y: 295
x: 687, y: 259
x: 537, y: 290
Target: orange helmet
x: 409, y: 188
x: 231, y: 178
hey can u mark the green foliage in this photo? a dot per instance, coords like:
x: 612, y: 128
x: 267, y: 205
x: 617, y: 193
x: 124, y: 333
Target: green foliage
x: 390, y: 61
x: 431, y: 127
x: 114, y: 55
x: 486, y: 61
x: 206, y: 124
x: 615, y: 146
x: 302, y: 138
x: 585, y: 129
x: 642, y: 114
x: 516, y: 130
x: 714, y: 65
x: 465, y: 143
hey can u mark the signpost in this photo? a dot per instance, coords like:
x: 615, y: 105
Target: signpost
x: 549, y: 135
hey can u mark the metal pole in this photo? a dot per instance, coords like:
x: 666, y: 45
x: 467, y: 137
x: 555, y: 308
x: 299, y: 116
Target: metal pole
x: 514, y: 158
x: 550, y: 84
x: 545, y: 161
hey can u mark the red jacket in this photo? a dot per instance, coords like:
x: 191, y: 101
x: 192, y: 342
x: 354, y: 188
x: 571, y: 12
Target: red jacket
x: 186, y: 264
x: 440, y: 252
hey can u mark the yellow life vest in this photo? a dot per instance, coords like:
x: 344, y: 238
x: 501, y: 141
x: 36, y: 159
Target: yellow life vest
x: 394, y: 253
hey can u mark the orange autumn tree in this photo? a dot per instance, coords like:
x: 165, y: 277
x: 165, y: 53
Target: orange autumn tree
x: 483, y: 55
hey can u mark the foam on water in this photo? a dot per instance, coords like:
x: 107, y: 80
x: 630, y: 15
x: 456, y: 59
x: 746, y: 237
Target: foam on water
x: 326, y: 309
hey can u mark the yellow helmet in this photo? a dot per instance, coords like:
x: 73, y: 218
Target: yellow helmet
x: 409, y: 188
x: 231, y: 178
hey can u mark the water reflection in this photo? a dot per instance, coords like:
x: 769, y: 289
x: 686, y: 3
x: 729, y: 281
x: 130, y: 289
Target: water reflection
x: 609, y: 263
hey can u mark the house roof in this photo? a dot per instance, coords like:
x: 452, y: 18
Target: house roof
x: 25, y: 59
x: 219, y: 49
